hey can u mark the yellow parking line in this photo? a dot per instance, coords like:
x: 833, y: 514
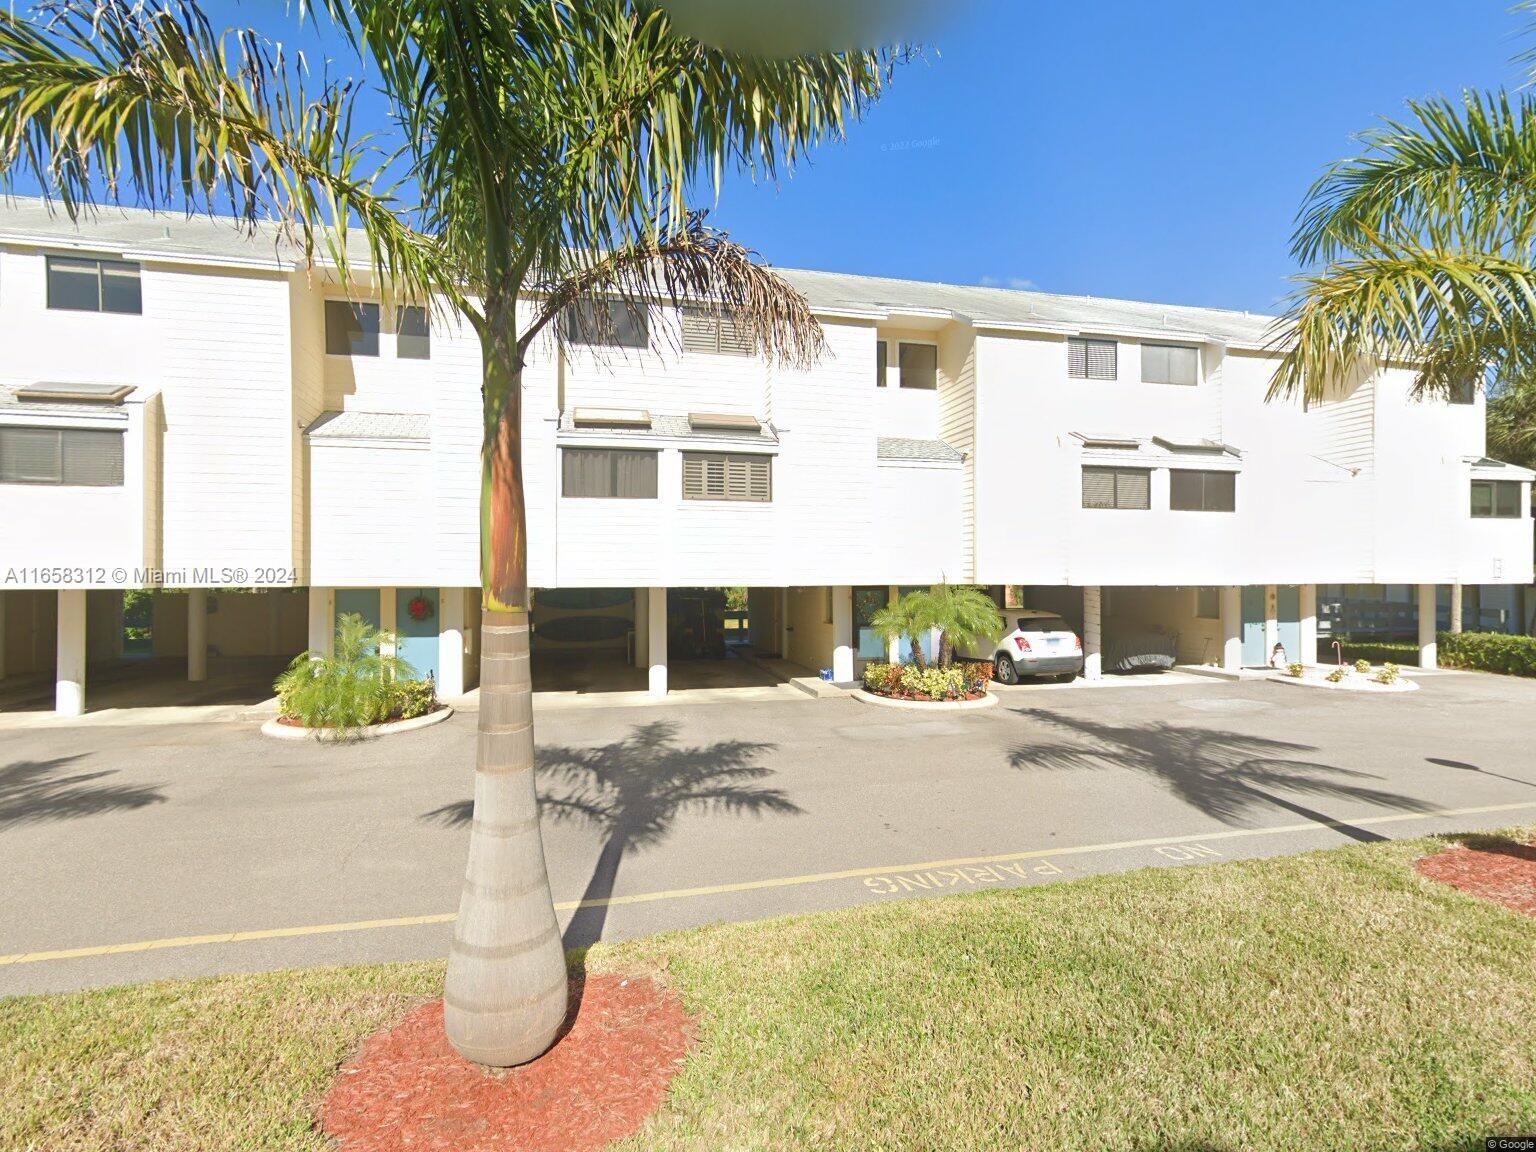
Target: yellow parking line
x: 749, y: 885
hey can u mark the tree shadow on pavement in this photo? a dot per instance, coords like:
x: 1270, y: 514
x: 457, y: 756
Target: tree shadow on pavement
x: 1226, y: 775
x: 632, y: 792
x: 34, y: 792
x: 1463, y: 766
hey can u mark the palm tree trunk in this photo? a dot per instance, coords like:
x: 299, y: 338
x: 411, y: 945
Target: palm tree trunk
x: 916, y: 641
x: 506, y: 991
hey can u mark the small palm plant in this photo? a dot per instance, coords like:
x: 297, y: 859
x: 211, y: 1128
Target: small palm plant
x: 353, y: 687
x: 962, y: 614
x: 901, y: 621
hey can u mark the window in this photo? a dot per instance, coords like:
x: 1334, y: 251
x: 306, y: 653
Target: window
x: 1169, y: 364
x: 1208, y: 603
x: 413, y: 333
x: 1495, y: 499
x: 919, y: 366
x: 81, y: 456
x: 82, y: 285
x: 1092, y: 359
x: 722, y: 476
x: 610, y: 323
x: 351, y: 329
x: 705, y: 330
x: 1463, y: 392
x: 614, y: 473
x: 1128, y: 488
x: 882, y: 353
x: 1190, y: 491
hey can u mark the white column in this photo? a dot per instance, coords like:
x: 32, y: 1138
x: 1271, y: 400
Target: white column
x: 322, y: 619
x: 69, y: 674
x: 1308, y: 653
x: 1093, y: 633
x: 450, y: 642
x: 642, y: 627
x: 1231, y: 628
x: 842, y: 634
x: 893, y: 649
x: 656, y: 639
x: 784, y: 628
x: 389, y: 605
x: 1455, y: 607
x: 1427, y: 646
x: 197, y: 634
x: 1271, y: 620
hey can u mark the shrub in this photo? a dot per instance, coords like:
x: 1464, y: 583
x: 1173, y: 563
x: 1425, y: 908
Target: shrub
x: 1389, y: 674
x: 1338, y: 674
x: 1376, y: 651
x: 1296, y: 670
x: 1489, y: 652
x: 909, y: 682
x: 411, y: 698
x: 358, y: 684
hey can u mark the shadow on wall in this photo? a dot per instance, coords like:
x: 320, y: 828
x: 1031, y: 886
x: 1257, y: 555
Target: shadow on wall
x: 632, y: 791
x: 34, y: 792
x: 1226, y: 775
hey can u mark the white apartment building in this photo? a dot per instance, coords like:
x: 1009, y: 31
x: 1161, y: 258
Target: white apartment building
x: 185, y: 407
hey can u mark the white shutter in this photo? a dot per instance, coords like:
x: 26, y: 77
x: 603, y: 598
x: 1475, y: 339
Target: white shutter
x: 1101, y: 356
x: 1098, y: 487
x: 700, y: 332
x: 1133, y: 488
x: 711, y: 476
x: 1077, y: 359
x: 92, y: 457
x: 760, y: 479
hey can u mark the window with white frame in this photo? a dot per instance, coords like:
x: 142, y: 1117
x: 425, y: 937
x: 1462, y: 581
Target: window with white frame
x: 605, y: 323
x: 413, y: 333
x: 608, y: 473
x: 713, y: 332
x: 1092, y: 359
x: 1170, y: 364
x: 84, y: 457
x: 1495, y: 499
x: 351, y: 329
x: 1124, y: 488
x: 919, y: 365
x: 727, y: 476
x: 83, y: 284
x: 1190, y: 490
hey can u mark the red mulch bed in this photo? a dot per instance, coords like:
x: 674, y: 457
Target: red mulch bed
x: 1499, y: 870
x: 408, y: 1089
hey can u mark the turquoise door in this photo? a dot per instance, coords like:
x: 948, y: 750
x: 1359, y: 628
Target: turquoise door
x: 416, y: 640
x: 362, y: 602
x: 1288, y: 617
x: 930, y: 649
x: 1254, y: 655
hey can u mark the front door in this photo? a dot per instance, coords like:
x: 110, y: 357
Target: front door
x: 1288, y: 617
x: 416, y: 635
x: 1254, y: 655
x: 868, y: 646
x: 362, y: 602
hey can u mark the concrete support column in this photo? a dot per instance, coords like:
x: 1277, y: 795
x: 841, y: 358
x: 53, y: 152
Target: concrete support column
x: 1428, y: 656
x: 842, y: 634
x: 642, y: 627
x: 450, y: 642
x: 197, y: 634
x: 2, y: 635
x: 389, y: 620
x: 1093, y: 633
x: 1231, y: 628
x: 1308, y: 653
x: 893, y: 649
x: 69, y: 674
x: 656, y: 639
x: 1271, y: 620
x: 1455, y: 607
x: 322, y: 619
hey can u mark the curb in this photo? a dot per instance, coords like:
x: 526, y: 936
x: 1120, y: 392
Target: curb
x: 987, y: 701
x: 279, y: 731
x: 1379, y: 690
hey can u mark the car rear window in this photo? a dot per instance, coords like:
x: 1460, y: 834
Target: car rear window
x: 1042, y: 624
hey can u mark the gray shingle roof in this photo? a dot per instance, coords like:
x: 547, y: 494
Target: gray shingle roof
x: 177, y: 236
x: 905, y: 448
x: 370, y: 426
x: 672, y: 428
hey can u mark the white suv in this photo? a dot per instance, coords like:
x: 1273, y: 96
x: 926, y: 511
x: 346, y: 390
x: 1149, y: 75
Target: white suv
x: 1040, y: 644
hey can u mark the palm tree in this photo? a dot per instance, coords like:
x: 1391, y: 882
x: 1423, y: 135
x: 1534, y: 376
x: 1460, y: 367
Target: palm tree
x: 902, y: 621
x: 549, y: 148
x: 961, y: 613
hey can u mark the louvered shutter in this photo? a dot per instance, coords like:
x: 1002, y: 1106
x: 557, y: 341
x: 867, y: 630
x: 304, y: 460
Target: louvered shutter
x: 700, y: 331
x: 708, y: 476
x: 92, y: 457
x: 1133, y: 489
x: 30, y: 456
x: 1077, y: 359
x: 733, y: 341
x: 1101, y: 356
x: 1098, y: 487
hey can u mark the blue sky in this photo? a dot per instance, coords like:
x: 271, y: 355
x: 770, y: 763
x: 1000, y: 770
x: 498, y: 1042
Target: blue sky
x: 1150, y: 150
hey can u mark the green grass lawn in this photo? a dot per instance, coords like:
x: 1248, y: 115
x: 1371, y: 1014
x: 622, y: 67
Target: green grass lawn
x: 1335, y: 1000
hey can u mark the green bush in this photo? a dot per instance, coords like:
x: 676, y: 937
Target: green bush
x: 1375, y: 651
x: 1489, y: 652
x: 909, y: 682
x: 1389, y: 674
x: 360, y: 683
x: 412, y: 698
x: 1296, y: 670
x: 1362, y: 666
x: 1338, y: 674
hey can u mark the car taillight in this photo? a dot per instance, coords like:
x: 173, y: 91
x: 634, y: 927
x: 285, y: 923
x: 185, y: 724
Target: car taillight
x: 1078, y: 640
x: 1021, y: 643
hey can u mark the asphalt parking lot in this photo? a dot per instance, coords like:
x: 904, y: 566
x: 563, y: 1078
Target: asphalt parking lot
x: 134, y: 853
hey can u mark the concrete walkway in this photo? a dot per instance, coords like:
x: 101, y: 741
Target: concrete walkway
x: 135, y: 853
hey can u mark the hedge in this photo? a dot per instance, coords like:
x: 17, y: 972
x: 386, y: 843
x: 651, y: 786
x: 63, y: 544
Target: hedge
x: 1489, y: 652
x: 1376, y: 651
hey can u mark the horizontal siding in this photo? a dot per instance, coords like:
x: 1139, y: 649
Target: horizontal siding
x: 372, y: 516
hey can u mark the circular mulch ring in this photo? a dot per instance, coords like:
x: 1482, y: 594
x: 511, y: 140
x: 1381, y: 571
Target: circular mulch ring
x: 408, y: 1089
x: 1499, y: 870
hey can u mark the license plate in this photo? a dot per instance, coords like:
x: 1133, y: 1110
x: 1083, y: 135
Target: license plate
x: 1053, y: 641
